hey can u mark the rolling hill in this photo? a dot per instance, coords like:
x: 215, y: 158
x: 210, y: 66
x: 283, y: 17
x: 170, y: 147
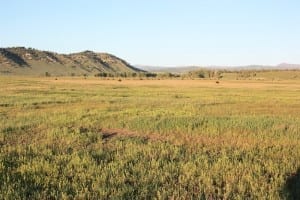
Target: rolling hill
x: 29, y: 61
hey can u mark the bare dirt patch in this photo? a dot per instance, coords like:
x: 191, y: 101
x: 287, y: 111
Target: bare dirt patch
x: 215, y: 142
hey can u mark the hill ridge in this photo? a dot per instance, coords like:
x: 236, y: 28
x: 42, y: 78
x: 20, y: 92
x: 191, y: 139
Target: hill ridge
x: 30, y: 61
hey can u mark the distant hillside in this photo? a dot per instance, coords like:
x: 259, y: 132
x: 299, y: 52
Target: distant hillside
x: 288, y: 66
x: 184, y: 69
x: 28, y: 61
x: 160, y: 69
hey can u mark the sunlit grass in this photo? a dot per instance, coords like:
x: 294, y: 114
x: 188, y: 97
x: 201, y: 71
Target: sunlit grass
x: 186, y: 138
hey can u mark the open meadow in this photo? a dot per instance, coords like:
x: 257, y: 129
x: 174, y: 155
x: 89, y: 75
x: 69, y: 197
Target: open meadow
x: 149, y: 139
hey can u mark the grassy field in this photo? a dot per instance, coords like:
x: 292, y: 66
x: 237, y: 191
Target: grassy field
x: 149, y: 139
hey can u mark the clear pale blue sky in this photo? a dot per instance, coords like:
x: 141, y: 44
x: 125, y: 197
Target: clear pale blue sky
x: 159, y: 32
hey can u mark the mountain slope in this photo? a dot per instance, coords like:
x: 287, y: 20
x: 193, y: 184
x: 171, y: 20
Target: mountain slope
x: 28, y: 61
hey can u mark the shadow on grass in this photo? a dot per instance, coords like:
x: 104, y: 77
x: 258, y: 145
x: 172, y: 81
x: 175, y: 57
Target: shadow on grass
x: 292, y: 186
x: 107, y: 136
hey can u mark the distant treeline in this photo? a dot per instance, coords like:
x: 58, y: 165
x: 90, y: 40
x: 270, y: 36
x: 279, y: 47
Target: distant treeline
x: 192, y: 74
x: 197, y: 74
x: 138, y: 75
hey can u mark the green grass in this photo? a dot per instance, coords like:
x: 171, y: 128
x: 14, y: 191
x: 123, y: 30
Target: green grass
x: 181, y: 139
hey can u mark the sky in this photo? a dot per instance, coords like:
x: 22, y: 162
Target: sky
x: 159, y: 32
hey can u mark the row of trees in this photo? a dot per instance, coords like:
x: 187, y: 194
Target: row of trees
x: 204, y: 73
x: 139, y: 75
x: 193, y: 74
x: 197, y: 74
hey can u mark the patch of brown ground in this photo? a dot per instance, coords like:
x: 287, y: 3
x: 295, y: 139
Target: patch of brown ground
x: 199, y: 140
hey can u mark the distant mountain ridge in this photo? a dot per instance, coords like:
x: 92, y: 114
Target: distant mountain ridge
x: 29, y: 61
x: 288, y: 66
x: 184, y: 69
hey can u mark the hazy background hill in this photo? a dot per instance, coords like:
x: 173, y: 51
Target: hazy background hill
x: 185, y: 69
x: 29, y: 61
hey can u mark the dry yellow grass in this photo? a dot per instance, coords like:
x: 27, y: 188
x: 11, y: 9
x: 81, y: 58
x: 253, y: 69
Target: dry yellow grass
x: 101, y: 139
x: 255, y: 84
